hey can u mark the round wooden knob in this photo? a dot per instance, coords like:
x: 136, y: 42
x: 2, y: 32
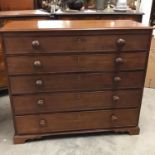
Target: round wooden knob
x: 117, y: 79
x: 116, y: 98
x: 42, y: 123
x: 37, y: 64
x: 41, y: 102
x: 35, y: 44
x: 119, y: 60
x: 79, y: 39
x: 39, y: 83
x: 114, y: 118
x: 121, y: 42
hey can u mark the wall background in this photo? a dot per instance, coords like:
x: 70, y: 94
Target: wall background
x: 146, y: 6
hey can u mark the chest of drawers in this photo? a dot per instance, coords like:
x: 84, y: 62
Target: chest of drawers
x: 68, y: 77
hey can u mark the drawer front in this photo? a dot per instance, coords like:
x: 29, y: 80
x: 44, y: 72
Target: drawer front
x: 2, y: 66
x: 59, y: 102
x: 55, y: 44
x: 75, y: 63
x: 72, y: 121
x: 74, y: 82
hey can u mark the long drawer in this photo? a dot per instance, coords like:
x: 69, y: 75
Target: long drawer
x: 88, y: 120
x: 61, y: 102
x: 74, y: 82
x: 75, y: 63
x: 54, y: 44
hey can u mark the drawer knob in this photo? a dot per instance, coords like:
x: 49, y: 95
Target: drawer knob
x: 121, y: 42
x: 117, y: 79
x: 39, y: 83
x: 37, y: 64
x: 114, y: 118
x: 79, y: 39
x: 42, y: 123
x: 35, y: 44
x: 116, y: 98
x: 119, y: 60
x: 40, y: 102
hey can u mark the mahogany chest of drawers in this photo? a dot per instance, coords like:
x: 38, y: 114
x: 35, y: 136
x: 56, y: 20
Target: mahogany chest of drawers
x: 68, y: 77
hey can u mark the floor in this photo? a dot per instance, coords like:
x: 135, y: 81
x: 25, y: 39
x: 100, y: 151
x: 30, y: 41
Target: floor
x: 105, y: 144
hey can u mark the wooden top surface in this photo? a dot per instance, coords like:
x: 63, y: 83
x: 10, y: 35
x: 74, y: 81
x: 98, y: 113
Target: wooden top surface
x: 67, y: 25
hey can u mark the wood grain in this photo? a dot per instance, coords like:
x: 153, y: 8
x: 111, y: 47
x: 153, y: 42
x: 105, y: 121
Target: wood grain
x: 85, y: 43
x: 76, y: 121
x: 75, y: 82
x: 75, y: 63
x: 60, y: 102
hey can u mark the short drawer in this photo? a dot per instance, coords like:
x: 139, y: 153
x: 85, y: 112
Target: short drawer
x: 61, y: 102
x: 75, y: 82
x: 88, y: 120
x: 75, y: 63
x: 55, y: 44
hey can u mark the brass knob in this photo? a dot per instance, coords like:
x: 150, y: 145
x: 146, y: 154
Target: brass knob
x: 39, y: 83
x: 116, y: 98
x: 117, y: 79
x: 114, y: 118
x: 42, y: 123
x: 119, y: 60
x: 41, y: 102
x: 121, y: 42
x: 35, y: 44
x: 37, y: 64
